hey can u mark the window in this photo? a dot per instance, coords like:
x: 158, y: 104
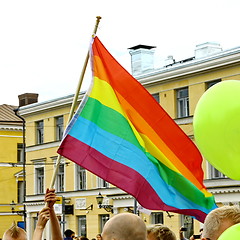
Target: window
x: 81, y: 178
x: 82, y: 226
x: 60, y: 178
x: 156, y: 96
x: 103, y: 219
x: 187, y: 222
x: 20, y: 191
x: 39, y: 127
x: 182, y: 103
x: 39, y: 179
x: 20, y: 153
x: 102, y: 183
x: 210, y: 84
x: 157, y: 217
x: 59, y: 127
x: 214, y: 173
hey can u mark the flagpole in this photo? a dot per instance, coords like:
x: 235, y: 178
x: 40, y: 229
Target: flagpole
x: 74, y: 103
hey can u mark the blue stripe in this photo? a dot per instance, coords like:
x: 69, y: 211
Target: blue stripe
x: 128, y: 154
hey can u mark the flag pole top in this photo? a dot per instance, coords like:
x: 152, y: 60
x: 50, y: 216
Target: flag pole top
x: 96, y: 26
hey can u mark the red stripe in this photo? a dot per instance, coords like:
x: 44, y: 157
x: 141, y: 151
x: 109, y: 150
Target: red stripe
x: 141, y: 101
x: 119, y: 175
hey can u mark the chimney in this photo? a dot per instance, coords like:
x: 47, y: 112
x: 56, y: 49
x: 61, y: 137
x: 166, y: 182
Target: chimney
x: 142, y: 59
x: 207, y: 49
x: 27, y: 98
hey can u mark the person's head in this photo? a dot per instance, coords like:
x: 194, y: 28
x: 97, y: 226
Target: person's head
x: 99, y: 237
x: 14, y: 233
x: 218, y: 220
x: 69, y: 233
x: 124, y: 226
x: 160, y: 232
x: 83, y: 238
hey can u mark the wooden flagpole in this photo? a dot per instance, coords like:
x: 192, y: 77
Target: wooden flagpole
x: 74, y: 103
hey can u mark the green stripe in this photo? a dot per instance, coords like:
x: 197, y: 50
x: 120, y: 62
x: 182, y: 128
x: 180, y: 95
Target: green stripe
x: 109, y: 120
x: 116, y: 124
x: 182, y: 184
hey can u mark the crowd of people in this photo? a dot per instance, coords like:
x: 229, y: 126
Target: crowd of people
x: 70, y: 235
x: 127, y: 226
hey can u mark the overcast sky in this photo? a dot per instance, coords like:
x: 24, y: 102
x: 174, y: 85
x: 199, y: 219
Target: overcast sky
x: 43, y: 44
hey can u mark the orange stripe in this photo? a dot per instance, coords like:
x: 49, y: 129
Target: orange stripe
x: 143, y: 128
x: 164, y: 124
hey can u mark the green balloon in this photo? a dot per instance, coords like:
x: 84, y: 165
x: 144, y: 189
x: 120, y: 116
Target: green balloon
x: 232, y: 233
x: 216, y: 125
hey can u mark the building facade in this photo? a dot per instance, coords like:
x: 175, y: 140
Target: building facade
x: 11, y: 168
x: 177, y: 86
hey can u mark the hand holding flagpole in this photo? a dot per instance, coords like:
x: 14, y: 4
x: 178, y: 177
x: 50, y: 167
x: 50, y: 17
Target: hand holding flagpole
x: 74, y: 103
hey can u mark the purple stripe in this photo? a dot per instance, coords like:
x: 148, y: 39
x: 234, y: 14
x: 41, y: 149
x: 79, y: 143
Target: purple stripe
x: 119, y: 175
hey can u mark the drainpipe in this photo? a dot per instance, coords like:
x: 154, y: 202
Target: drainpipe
x: 24, y: 163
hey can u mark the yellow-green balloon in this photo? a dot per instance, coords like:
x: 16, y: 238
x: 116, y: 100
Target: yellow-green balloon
x: 232, y: 233
x: 216, y: 125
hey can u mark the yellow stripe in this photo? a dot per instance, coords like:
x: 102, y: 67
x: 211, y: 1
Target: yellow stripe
x: 111, y: 101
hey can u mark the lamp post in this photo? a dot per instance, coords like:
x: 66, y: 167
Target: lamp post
x: 108, y: 208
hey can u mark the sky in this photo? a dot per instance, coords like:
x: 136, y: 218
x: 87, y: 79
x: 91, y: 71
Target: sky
x: 43, y: 44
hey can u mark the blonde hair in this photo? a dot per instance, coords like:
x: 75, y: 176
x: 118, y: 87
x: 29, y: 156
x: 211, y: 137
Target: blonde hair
x: 161, y: 232
x: 216, y: 217
x: 14, y: 232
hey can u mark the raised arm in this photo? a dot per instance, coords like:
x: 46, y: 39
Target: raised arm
x: 50, y: 198
x: 43, y: 217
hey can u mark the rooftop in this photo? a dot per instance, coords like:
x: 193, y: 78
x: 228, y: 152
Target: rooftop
x: 7, y: 114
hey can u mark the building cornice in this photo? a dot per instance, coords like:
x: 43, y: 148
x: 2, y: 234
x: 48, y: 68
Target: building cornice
x: 42, y: 146
x: 56, y: 103
x: 6, y: 127
x: 222, y: 186
x: 221, y: 182
x: 193, y: 67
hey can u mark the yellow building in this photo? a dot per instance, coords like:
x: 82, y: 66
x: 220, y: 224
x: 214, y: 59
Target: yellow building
x: 177, y: 86
x: 11, y: 168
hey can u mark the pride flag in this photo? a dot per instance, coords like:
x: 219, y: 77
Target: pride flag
x: 121, y: 134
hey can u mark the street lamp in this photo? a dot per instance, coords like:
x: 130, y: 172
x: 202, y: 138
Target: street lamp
x: 108, y: 208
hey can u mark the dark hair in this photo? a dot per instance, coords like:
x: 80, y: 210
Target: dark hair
x: 68, y: 233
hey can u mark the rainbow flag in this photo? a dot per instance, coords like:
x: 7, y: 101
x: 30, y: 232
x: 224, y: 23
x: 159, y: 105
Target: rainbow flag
x: 121, y: 134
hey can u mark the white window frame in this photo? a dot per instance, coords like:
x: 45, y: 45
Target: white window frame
x: 40, y: 132
x: 20, y: 193
x: 213, y: 173
x: 20, y: 153
x: 59, y: 121
x: 102, y: 183
x: 82, y: 228
x: 103, y: 219
x: 81, y: 177
x: 155, y: 215
x: 182, y: 103
x: 156, y: 97
x: 39, y: 187
x: 60, y: 186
